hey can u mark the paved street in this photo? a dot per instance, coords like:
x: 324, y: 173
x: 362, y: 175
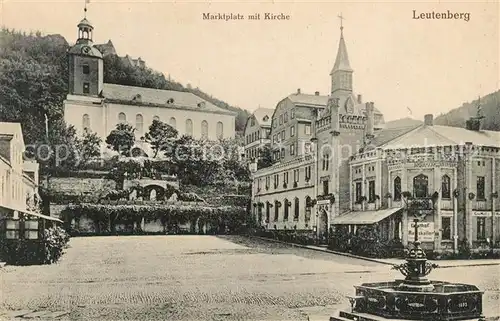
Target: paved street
x: 202, y: 278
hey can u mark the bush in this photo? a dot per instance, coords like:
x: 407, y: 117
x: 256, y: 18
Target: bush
x: 47, y: 250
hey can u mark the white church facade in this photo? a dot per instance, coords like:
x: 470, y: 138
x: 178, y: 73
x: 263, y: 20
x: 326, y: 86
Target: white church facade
x: 98, y: 107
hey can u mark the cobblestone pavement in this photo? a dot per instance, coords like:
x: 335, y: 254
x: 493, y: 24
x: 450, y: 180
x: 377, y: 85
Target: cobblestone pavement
x: 202, y: 278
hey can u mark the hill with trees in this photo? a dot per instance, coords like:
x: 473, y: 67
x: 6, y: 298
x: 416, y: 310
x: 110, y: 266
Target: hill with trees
x: 490, y: 109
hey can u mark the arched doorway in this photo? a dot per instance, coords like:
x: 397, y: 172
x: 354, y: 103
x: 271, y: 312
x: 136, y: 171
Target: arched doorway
x: 323, y: 226
x: 154, y: 193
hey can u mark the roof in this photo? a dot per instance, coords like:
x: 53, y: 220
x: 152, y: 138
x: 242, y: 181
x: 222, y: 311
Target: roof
x: 402, y: 123
x: 443, y: 136
x: 261, y: 113
x: 85, y: 23
x: 11, y: 128
x: 386, y: 135
x: 159, y: 97
x: 342, y: 59
x: 364, y: 217
x: 320, y: 101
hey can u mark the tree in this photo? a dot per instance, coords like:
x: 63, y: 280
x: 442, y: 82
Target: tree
x: 89, y: 146
x: 161, y: 137
x: 121, y: 139
x: 266, y: 158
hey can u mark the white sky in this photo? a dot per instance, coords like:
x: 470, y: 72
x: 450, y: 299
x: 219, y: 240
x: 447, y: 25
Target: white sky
x: 430, y: 66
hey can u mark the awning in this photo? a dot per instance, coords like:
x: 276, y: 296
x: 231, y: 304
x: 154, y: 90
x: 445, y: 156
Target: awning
x: 364, y: 217
x: 45, y: 217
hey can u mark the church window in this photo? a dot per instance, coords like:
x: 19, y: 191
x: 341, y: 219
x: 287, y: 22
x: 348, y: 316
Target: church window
x: 204, y: 129
x: 445, y: 187
x: 156, y: 118
x: 480, y: 188
x: 420, y: 186
x: 86, y: 69
x: 307, y: 129
x: 371, y: 191
x: 220, y: 130
x: 189, y: 127
x: 86, y: 88
x: 172, y: 122
x: 139, y: 122
x: 296, y: 210
x: 86, y: 122
x: 122, y: 118
x: 397, y: 189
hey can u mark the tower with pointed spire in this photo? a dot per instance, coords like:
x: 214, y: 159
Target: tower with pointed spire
x: 86, y: 68
x: 341, y: 74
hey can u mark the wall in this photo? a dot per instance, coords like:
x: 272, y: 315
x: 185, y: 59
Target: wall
x: 76, y: 186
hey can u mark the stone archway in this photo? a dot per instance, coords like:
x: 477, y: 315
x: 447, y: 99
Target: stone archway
x: 323, y: 226
x: 154, y: 193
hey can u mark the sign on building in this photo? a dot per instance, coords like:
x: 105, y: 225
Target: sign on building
x: 425, y: 231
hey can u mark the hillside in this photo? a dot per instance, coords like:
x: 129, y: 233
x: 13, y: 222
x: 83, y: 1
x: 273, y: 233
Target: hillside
x: 490, y: 109
x: 34, y: 81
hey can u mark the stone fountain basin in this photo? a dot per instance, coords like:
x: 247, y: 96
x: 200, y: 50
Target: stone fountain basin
x: 447, y: 301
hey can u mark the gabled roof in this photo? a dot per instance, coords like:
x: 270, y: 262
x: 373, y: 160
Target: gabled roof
x: 387, y: 135
x: 263, y: 116
x: 158, y: 97
x: 402, y: 123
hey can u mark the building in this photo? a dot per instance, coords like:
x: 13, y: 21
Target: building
x: 447, y: 177
x: 304, y: 129
x: 257, y: 132
x: 18, y: 187
x: 94, y: 105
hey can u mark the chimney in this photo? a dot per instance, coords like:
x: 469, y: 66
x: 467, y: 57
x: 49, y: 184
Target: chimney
x: 429, y: 120
x: 317, y: 93
x: 369, y: 120
x: 360, y: 101
x: 298, y: 91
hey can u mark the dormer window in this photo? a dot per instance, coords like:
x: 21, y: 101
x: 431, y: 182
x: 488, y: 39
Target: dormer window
x: 170, y: 101
x: 266, y: 118
x: 201, y: 104
x: 137, y: 97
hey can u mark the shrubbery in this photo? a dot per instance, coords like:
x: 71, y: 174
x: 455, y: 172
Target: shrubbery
x: 47, y: 250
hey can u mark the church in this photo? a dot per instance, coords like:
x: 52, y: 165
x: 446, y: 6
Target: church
x: 95, y: 106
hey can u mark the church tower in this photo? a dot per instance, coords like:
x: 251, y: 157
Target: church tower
x: 85, y: 63
x: 341, y: 73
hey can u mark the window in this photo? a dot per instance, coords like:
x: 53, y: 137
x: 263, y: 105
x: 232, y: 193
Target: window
x: 276, y: 211
x: 308, y: 173
x: 122, y: 118
x: 397, y: 189
x: 189, y: 127
x: 285, y: 178
x: 220, y: 130
x: 480, y: 188
x: 481, y: 228
x: 86, y: 88
x: 292, y: 149
x: 296, y: 209
x: 292, y: 131
x: 252, y: 123
x: 86, y: 122
x: 445, y: 187
x: 204, y: 129
x: 259, y: 212
x: 307, y: 148
x: 326, y: 161
x: 307, y: 129
x: 285, y: 214
x: 172, y: 122
x: 286, y: 118
x: 295, y: 175
x: 276, y: 181
x: 308, y: 209
x: 281, y: 119
x: 446, y: 227
x: 420, y: 186
x: 371, y: 191
x: 268, y: 133
x: 282, y: 153
x: 292, y: 113
x: 282, y: 135
x: 31, y: 229
x: 268, y: 211
x: 325, y: 187
x: 86, y: 69
x: 12, y: 229
x: 358, y: 191
x: 139, y: 123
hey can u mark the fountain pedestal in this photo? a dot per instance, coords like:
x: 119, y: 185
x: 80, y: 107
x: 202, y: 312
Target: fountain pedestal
x: 415, y: 297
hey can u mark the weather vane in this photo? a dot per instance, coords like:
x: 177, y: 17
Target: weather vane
x: 85, y: 8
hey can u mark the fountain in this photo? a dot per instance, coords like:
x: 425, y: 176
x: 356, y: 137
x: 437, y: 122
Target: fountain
x: 415, y: 297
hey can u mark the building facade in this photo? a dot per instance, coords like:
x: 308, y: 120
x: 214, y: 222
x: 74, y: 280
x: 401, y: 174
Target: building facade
x: 446, y: 177
x: 94, y: 105
x: 257, y: 132
x: 306, y: 132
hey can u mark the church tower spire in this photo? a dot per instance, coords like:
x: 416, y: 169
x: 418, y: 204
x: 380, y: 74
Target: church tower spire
x: 341, y: 73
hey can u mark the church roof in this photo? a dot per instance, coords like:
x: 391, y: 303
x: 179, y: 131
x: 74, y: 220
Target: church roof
x: 159, y: 98
x: 260, y: 115
x: 342, y: 59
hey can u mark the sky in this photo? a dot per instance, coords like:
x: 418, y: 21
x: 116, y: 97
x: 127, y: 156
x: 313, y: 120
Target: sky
x: 400, y: 63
